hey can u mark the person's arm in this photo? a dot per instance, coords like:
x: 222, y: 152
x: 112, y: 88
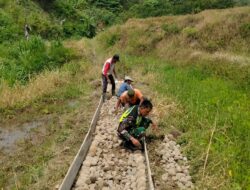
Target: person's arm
x: 118, y: 104
x: 154, y: 126
x: 122, y: 99
x: 122, y: 129
x: 135, y: 141
x: 140, y: 96
x: 125, y: 125
x: 149, y: 121
x: 141, y: 100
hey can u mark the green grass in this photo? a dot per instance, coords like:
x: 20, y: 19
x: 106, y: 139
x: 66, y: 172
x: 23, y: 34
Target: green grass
x: 25, y: 59
x: 176, y: 57
x: 208, y: 97
x: 43, y: 164
x: 44, y: 159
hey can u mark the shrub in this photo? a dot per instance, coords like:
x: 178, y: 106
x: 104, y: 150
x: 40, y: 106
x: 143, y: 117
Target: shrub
x: 29, y: 57
x: 211, y: 46
x: 112, y: 39
x: 190, y: 32
x: 8, y: 29
x: 57, y: 55
x: 171, y: 28
x: 245, y: 30
x: 102, y: 17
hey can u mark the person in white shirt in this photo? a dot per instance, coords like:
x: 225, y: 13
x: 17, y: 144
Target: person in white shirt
x: 108, y: 72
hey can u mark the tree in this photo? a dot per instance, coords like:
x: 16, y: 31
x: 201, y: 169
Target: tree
x: 111, y: 5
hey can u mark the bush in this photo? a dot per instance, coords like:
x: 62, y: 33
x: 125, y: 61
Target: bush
x: 112, y: 39
x: 190, y: 32
x: 211, y: 46
x: 8, y: 29
x: 150, y: 8
x: 57, y: 55
x: 171, y: 28
x: 102, y: 17
x: 27, y: 58
x: 83, y: 28
x: 245, y: 30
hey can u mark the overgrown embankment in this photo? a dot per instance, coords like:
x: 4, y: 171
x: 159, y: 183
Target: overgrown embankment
x: 197, y: 67
x: 48, y: 117
x: 201, y: 63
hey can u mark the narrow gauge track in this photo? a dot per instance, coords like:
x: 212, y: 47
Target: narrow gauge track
x: 101, y: 163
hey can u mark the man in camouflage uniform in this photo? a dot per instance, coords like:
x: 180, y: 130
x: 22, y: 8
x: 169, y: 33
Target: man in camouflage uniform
x: 133, y: 125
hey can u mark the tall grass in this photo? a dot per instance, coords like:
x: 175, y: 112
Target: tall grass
x: 201, y: 62
x: 207, y: 98
x: 58, y: 99
x: 26, y: 58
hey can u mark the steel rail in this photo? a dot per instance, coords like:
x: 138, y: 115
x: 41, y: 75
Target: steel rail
x: 74, y: 168
x: 81, y: 154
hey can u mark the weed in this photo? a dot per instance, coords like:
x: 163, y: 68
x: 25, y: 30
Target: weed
x: 28, y: 58
x: 245, y: 30
x: 112, y: 40
x: 171, y: 29
x: 190, y: 32
x: 204, y: 96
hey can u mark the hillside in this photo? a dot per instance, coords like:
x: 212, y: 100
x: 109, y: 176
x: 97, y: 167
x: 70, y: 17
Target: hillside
x: 201, y: 63
x: 194, y: 67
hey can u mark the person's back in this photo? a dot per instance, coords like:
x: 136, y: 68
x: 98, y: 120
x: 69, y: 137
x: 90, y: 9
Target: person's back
x: 129, y: 98
x: 132, y: 97
x: 125, y: 86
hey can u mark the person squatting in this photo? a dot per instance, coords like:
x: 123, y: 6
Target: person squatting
x: 133, y: 125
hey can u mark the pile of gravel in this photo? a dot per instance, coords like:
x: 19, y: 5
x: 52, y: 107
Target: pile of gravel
x: 174, y: 164
x: 107, y: 165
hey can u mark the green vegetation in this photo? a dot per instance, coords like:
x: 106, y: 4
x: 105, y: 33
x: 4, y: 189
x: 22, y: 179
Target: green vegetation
x: 66, y: 19
x: 170, y: 29
x: 177, y: 57
x: 152, y: 8
x: 199, y: 61
x: 44, y: 157
x: 24, y: 59
x: 209, y: 98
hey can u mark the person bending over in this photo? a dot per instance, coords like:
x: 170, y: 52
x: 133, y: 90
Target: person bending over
x: 129, y: 98
x: 125, y: 86
x: 133, y: 124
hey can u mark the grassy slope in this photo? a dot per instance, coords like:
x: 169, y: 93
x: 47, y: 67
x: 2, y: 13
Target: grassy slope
x: 58, y: 100
x: 177, y: 64
x: 16, y: 14
x: 201, y: 63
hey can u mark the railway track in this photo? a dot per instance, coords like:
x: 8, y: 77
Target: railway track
x: 101, y: 163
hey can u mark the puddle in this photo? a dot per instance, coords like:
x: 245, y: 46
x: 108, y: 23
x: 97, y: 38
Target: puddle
x: 9, y: 137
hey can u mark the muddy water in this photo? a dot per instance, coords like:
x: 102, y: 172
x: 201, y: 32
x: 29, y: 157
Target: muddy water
x: 9, y: 137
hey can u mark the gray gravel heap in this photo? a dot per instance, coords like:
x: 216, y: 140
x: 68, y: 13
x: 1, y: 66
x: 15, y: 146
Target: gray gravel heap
x: 174, y: 164
x: 108, y: 166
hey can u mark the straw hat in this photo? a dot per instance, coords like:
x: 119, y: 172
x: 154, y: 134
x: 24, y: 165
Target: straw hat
x: 128, y: 78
